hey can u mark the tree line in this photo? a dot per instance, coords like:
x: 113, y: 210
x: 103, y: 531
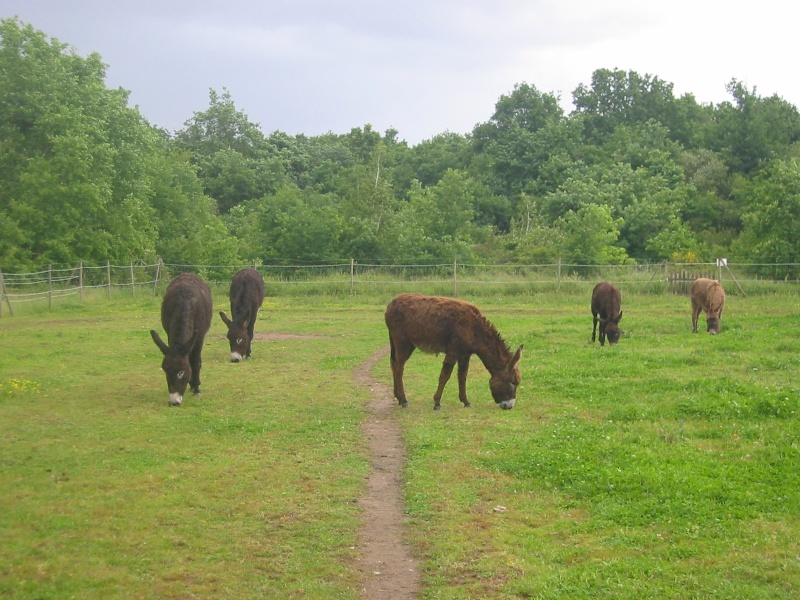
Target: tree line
x: 632, y: 173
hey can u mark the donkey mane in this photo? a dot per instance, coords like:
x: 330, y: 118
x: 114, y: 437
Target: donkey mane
x: 495, y: 338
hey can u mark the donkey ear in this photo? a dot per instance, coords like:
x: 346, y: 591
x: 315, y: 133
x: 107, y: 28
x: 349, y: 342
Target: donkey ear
x: 225, y: 319
x: 515, y: 359
x: 619, y: 317
x: 159, y: 342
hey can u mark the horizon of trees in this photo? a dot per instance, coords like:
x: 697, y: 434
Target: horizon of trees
x: 632, y: 173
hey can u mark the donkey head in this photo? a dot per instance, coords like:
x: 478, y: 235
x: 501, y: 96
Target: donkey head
x: 503, y: 384
x: 176, y: 367
x: 612, y: 330
x: 712, y: 323
x: 238, y: 337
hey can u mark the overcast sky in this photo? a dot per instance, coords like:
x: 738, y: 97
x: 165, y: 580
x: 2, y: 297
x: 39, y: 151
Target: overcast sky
x: 421, y: 67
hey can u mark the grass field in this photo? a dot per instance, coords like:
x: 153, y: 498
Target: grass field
x: 667, y: 466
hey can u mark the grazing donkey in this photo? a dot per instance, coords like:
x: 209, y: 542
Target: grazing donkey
x: 186, y: 316
x: 709, y: 296
x: 457, y: 328
x: 606, y: 302
x: 247, y: 295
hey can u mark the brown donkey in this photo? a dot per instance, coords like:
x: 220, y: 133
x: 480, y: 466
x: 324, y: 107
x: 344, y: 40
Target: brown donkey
x: 457, y: 328
x: 247, y: 296
x: 186, y: 317
x: 606, y: 302
x: 709, y: 296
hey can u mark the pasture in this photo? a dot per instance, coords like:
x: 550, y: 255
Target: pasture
x: 666, y: 466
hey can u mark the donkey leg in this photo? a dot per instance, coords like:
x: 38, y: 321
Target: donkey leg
x: 444, y: 376
x: 398, y: 359
x: 196, y: 361
x: 463, y: 370
x: 594, y: 326
x: 695, y: 314
x: 399, y: 390
x: 251, y: 326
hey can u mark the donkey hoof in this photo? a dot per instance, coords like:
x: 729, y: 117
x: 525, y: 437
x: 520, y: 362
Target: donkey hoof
x: 437, y: 407
x: 403, y: 404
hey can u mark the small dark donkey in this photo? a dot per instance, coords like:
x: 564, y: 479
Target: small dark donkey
x: 247, y: 295
x: 457, y: 328
x: 606, y: 303
x: 186, y: 317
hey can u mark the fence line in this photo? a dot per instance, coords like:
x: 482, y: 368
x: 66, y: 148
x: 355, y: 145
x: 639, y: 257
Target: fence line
x: 352, y: 276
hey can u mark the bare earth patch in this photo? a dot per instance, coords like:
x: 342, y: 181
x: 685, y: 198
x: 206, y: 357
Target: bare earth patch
x: 278, y: 337
x: 388, y: 569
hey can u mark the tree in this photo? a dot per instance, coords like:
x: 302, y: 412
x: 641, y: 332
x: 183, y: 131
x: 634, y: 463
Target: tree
x: 441, y: 218
x: 673, y: 241
x: 75, y: 160
x: 751, y: 130
x: 429, y: 160
x: 616, y: 98
x: 189, y: 231
x: 288, y: 226
x: 772, y: 201
x: 232, y: 156
x: 513, y: 147
x: 589, y: 235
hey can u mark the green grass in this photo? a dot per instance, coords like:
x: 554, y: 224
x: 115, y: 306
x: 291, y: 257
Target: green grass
x: 246, y: 491
x: 667, y: 466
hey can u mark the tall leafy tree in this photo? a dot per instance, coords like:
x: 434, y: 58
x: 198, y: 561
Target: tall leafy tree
x: 232, y: 155
x: 772, y: 199
x: 513, y: 148
x: 617, y: 97
x: 442, y: 217
x: 74, y: 159
x: 429, y: 160
x: 189, y: 230
x: 751, y: 130
x: 288, y: 226
x: 589, y: 236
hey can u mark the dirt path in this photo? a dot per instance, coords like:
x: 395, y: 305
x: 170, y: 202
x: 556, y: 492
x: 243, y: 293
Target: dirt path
x: 388, y: 570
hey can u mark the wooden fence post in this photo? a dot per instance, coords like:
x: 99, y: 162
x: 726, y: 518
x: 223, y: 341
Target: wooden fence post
x: 455, y: 277
x: 133, y: 282
x: 158, y: 272
x: 558, y: 275
x: 3, y: 293
x: 108, y: 274
x: 352, y: 276
x: 50, y: 287
x: 80, y: 281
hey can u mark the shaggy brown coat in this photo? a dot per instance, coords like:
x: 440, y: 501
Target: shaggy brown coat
x: 186, y: 317
x: 709, y: 296
x: 247, y: 296
x: 606, y: 303
x: 457, y: 328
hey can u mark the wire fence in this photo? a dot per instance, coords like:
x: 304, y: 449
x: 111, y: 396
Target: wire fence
x: 56, y: 283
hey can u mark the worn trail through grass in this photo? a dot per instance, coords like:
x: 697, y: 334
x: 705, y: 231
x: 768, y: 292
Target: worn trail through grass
x: 388, y: 567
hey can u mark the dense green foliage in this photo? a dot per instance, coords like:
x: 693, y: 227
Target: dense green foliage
x: 632, y: 173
